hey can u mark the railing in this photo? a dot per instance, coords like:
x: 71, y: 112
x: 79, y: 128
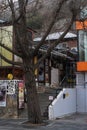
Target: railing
x: 66, y: 82
x: 62, y: 81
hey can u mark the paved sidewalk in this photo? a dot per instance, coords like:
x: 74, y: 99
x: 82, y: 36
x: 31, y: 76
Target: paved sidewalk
x: 73, y: 122
x: 75, y: 118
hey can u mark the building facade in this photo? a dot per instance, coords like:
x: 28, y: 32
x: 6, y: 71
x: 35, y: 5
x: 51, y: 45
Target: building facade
x: 53, y: 70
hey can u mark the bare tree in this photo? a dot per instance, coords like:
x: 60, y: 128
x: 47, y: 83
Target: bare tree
x: 28, y: 51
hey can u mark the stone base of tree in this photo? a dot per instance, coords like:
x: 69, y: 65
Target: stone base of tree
x: 10, y: 111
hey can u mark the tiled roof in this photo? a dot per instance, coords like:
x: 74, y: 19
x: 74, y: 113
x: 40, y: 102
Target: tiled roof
x: 57, y: 51
x: 55, y: 36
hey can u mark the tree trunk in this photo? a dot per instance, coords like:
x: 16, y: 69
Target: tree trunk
x: 34, y: 113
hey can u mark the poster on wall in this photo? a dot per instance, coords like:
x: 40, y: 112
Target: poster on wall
x: 3, y: 88
x: 21, y: 94
x: 11, y: 87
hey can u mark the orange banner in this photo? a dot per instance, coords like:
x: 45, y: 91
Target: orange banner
x: 81, y: 25
x: 81, y: 66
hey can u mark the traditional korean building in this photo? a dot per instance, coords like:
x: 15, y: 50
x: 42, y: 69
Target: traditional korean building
x: 54, y: 69
x: 60, y: 65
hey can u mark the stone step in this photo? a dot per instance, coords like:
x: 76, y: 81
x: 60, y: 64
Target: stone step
x: 44, y: 101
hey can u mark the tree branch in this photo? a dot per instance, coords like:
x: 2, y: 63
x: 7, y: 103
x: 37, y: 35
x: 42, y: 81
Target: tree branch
x: 9, y: 61
x: 11, y: 4
x: 12, y: 51
x: 21, y: 33
x: 57, y: 10
x: 20, y: 36
x: 56, y: 43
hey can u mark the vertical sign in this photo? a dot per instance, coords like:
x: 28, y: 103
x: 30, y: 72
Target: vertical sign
x: 21, y: 94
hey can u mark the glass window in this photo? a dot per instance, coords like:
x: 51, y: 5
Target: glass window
x: 81, y: 45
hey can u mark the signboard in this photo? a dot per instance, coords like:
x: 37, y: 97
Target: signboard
x: 11, y: 87
x: 21, y: 94
x: 2, y: 94
x: 81, y: 25
x: 81, y: 66
x: 51, y: 98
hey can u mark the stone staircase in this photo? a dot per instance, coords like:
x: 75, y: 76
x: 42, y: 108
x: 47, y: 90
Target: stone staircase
x: 45, y: 100
x: 46, y: 96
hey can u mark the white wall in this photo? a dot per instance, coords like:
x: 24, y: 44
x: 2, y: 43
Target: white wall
x: 75, y: 99
x: 81, y: 91
x: 81, y: 96
x: 62, y: 106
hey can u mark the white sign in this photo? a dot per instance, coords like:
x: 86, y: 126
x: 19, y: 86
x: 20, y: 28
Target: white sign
x: 50, y: 97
